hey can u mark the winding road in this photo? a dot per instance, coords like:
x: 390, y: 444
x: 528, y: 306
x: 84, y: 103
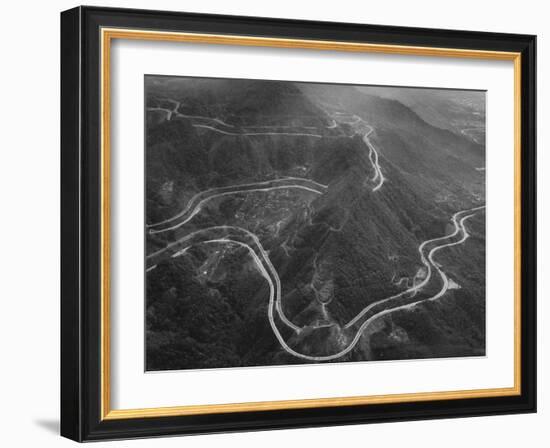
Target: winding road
x: 245, y: 238
x: 215, y: 123
x: 468, y: 133
x: 358, y: 123
x: 426, y: 259
x: 354, y: 329
x: 239, y: 236
x: 246, y: 130
x: 246, y: 133
x: 373, y: 156
x: 195, y: 204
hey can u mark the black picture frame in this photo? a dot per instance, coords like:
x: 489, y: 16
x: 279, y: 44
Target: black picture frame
x: 81, y: 287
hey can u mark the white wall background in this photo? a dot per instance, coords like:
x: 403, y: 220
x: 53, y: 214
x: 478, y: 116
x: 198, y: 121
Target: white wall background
x: 29, y: 230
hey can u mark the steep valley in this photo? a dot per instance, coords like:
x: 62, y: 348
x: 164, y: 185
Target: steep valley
x: 277, y: 212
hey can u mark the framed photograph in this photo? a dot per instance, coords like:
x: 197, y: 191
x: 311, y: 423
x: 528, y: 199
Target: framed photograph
x: 276, y: 224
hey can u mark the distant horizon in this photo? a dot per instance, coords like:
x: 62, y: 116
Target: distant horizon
x: 389, y: 86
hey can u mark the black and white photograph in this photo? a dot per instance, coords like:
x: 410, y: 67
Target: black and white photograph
x: 294, y: 223
x: 274, y: 220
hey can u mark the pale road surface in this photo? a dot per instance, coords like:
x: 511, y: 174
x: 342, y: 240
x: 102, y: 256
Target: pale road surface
x: 269, y: 272
x: 426, y: 261
x: 195, y: 204
x: 357, y: 120
x: 413, y: 304
x: 468, y: 134
x: 272, y: 295
x: 299, y: 134
x: 170, y: 113
x: 373, y: 156
x: 261, y: 257
x: 235, y: 234
x: 459, y: 226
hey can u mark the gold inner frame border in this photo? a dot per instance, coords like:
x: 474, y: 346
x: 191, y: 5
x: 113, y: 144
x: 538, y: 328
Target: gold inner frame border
x: 107, y: 36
